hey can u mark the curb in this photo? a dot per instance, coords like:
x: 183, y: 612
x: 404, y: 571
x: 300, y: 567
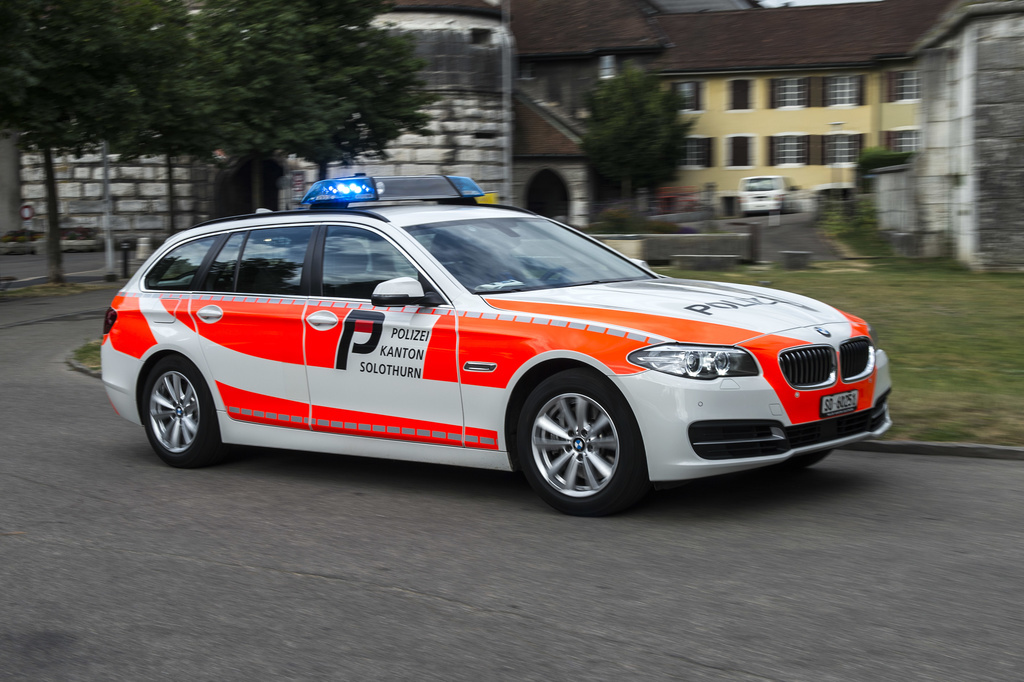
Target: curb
x: 913, y: 447
x: 79, y: 367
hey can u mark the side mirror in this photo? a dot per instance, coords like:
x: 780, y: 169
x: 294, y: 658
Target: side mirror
x: 794, y: 188
x: 398, y: 291
x: 642, y: 263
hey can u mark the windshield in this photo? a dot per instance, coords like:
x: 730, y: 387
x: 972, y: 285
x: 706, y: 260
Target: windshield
x: 761, y: 184
x: 493, y: 255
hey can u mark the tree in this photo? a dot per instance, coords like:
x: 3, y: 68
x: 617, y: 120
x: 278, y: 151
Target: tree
x: 634, y: 133
x: 175, y: 102
x: 71, y: 88
x: 368, y: 91
x: 310, y: 77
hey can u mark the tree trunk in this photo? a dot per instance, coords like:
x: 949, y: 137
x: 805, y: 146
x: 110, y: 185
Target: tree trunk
x: 257, y: 181
x: 321, y: 170
x: 54, y: 257
x: 627, y: 189
x: 170, y: 195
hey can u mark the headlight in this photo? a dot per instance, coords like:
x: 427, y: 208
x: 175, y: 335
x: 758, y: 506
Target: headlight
x: 696, y: 362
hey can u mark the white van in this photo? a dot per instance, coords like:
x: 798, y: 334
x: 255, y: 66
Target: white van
x: 764, y: 194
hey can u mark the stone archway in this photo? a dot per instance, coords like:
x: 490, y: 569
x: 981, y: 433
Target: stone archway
x: 548, y: 195
x: 234, y: 188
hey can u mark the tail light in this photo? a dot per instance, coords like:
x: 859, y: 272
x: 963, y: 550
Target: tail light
x: 108, y: 320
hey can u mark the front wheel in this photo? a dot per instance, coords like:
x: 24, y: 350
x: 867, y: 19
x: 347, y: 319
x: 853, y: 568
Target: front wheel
x: 179, y: 416
x: 580, y: 446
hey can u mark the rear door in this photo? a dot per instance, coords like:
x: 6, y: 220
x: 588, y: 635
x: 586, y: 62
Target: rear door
x: 249, y: 316
x: 378, y: 372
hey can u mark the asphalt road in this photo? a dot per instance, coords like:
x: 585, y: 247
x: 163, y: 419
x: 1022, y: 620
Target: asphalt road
x: 30, y: 269
x: 282, y: 565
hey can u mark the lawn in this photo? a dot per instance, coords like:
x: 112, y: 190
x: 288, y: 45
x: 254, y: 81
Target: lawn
x: 953, y: 339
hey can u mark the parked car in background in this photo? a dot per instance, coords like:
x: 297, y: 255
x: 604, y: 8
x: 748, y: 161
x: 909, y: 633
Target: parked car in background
x: 767, y: 194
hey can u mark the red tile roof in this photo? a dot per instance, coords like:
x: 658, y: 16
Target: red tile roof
x: 855, y: 33
x: 544, y: 27
x: 536, y: 135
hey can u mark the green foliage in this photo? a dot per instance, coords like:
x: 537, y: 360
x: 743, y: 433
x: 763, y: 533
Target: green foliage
x: 621, y: 220
x: 311, y: 77
x: 858, y: 231
x: 872, y: 158
x: 635, y: 135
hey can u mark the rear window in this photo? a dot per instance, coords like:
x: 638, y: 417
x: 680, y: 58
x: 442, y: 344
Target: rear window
x: 176, y: 270
x: 272, y: 261
x: 761, y: 184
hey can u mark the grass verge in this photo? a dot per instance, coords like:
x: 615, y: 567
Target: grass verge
x: 952, y: 337
x: 89, y: 354
x: 58, y: 289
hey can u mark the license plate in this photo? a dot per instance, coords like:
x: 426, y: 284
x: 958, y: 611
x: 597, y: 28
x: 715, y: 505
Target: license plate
x: 838, y: 403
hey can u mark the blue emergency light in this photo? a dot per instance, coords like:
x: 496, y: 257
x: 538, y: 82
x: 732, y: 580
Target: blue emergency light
x: 340, y: 192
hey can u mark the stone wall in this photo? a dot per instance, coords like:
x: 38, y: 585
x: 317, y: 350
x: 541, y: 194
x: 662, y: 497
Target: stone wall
x: 138, y: 192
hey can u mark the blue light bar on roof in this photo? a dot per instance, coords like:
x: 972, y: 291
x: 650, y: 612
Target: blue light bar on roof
x: 340, y: 192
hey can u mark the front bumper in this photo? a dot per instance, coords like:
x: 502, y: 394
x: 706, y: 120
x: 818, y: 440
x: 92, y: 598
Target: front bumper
x: 672, y: 413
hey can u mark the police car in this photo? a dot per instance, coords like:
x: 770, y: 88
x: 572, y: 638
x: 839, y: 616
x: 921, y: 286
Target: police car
x: 397, y: 318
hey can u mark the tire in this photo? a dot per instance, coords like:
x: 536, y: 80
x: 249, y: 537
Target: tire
x: 802, y: 461
x: 591, y: 469
x: 179, y: 416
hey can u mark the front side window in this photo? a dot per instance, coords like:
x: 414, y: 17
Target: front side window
x: 498, y: 255
x: 272, y: 261
x: 357, y: 260
x: 842, y: 90
x: 176, y: 270
x: 790, y: 92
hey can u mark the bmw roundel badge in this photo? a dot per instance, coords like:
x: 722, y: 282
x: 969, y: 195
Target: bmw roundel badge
x: 824, y: 332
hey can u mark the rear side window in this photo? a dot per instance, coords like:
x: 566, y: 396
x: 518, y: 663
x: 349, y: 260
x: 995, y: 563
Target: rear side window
x: 221, y: 276
x: 272, y: 261
x: 176, y: 270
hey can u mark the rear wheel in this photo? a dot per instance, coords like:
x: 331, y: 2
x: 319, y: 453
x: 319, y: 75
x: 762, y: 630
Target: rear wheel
x: 580, y: 446
x: 179, y: 416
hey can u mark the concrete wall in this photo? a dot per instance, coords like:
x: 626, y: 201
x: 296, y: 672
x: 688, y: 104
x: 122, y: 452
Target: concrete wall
x: 896, y: 208
x: 971, y: 168
x: 574, y: 173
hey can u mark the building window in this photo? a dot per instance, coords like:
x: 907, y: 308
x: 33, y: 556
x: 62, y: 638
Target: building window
x: 740, y: 151
x: 842, y: 148
x: 739, y: 95
x: 904, y: 140
x: 526, y: 70
x: 606, y: 67
x: 690, y: 92
x: 842, y: 90
x: 697, y: 152
x: 790, y: 92
x: 903, y: 86
x: 790, y: 150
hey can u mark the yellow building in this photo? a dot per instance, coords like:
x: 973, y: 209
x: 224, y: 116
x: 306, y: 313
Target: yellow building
x: 796, y: 91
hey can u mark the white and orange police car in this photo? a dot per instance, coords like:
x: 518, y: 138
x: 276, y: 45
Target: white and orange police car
x: 423, y: 326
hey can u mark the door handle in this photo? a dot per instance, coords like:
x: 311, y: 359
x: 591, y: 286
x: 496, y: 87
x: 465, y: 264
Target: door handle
x: 210, y: 314
x: 322, y: 320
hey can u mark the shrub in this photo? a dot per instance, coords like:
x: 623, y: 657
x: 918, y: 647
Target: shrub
x: 620, y: 220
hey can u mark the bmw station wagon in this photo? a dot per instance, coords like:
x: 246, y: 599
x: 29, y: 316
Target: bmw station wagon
x: 397, y: 318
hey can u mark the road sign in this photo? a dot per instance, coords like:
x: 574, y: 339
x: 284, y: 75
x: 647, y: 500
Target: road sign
x: 27, y: 212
